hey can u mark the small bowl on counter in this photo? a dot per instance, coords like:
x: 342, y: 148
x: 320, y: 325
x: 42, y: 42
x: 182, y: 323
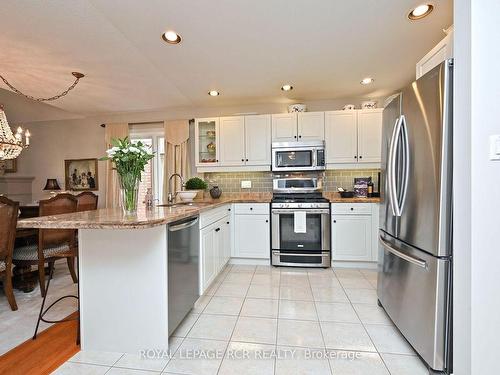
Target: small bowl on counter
x: 346, y: 194
x: 187, y: 195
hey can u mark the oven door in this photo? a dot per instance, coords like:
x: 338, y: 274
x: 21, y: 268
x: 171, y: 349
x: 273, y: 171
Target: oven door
x: 311, y: 248
x: 294, y: 159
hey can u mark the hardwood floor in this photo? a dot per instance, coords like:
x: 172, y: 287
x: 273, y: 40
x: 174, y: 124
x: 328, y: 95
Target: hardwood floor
x: 52, y: 348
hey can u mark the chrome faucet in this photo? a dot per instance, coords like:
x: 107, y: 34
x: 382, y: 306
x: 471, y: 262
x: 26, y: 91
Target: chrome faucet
x: 171, y: 196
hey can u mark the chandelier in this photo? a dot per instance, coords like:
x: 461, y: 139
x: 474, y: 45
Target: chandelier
x: 11, y: 144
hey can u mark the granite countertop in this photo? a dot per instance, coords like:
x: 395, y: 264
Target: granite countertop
x: 335, y: 197
x: 114, y: 218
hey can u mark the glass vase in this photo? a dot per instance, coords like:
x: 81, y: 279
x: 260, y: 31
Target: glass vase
x: 129, y: 192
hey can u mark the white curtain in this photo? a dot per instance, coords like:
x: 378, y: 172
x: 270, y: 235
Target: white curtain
x: 116, y: 130
x: 176, y: 153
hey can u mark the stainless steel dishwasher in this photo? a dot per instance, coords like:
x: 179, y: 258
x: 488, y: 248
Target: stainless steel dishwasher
x: 183, y: 273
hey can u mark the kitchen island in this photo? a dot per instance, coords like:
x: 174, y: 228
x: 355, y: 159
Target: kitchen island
x: 123, y: 271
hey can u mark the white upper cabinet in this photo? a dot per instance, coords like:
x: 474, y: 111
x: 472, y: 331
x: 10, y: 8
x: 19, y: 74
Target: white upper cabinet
x: 231, y: 141
x: 341, y: 137
x: 369, y: 135
x: 353, y: 137
x: 311, y: 126
x: 301, y: 126
x: 239, y: 143
x: 442, y: 51
x: 258, y: 140
x: 284, y: 127
x: 207, y: 141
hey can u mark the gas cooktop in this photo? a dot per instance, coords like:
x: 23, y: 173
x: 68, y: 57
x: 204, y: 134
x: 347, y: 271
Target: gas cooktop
x: 293, y: 201
x: 299, y: 198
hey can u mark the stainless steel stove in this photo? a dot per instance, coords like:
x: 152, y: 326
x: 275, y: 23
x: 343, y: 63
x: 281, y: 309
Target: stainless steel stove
x: 300, y: 223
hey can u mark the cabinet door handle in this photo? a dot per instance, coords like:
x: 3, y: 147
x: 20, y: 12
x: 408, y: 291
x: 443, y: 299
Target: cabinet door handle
x: 218, y: 229
x: 300, y: 136
x: 267, y: 221
x: 334, y: 221
x: 360, y: 156
x: 352, y: 208
x: 242, y: 159
x: 227, y: 222
x: 355, y: 157
x: 295, y: 136
x: 229, y: 209
x: 246, y: 159
x: 251, y: 208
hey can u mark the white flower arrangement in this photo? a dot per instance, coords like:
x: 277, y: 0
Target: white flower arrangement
x: 129, y: 160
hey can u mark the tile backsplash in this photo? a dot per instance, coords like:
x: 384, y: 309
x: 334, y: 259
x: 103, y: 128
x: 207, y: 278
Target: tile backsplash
x: 230, y: 182
x: 344, y: 178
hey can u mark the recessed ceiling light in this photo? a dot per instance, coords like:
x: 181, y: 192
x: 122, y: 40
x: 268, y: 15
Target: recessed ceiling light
x: 287, y: 87
x: 171, y: 37
x: 421, y: 11
x: 213, y: 93
x: 366, y: 81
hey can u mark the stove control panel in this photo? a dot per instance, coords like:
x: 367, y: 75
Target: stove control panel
x: 300, y: 205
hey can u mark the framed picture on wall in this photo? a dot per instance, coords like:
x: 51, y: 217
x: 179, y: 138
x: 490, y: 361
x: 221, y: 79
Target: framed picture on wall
x: 81, y: 174
x: 10, y: 166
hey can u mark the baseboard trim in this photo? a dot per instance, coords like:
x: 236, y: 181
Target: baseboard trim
x: 366, y: 265
x: 250, y: 261
x: 336, y: 263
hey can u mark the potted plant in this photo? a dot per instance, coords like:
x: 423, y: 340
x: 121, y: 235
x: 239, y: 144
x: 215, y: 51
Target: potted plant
x: 192, y: 186
x: 129, y: 160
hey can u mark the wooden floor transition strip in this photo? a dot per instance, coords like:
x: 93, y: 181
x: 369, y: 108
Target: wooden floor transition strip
x: 51, y: 349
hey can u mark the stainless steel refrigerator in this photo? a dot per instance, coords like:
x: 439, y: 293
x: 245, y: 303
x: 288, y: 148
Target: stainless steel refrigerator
x: 415, y: 236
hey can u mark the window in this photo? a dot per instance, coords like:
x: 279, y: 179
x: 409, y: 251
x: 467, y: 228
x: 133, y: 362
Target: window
x: 152, y: 177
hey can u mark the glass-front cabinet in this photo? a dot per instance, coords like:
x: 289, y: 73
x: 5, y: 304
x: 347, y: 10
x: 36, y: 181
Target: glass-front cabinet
x: 207, y: 138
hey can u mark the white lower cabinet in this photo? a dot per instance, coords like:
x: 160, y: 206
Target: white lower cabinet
x: 215, y: 244
x: 207, y: 257
x: 354, y: 229
x: 351, y: 237
x: 251, y: 231
x: 228, y: 239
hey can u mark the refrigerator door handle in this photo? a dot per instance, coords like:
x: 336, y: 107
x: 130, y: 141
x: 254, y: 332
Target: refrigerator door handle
x: 406, y: 165
x: 416, y: 261
x: 391, y: 170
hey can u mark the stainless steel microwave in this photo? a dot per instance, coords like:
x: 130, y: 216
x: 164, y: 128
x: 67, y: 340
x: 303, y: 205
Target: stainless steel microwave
x: 298, y: 156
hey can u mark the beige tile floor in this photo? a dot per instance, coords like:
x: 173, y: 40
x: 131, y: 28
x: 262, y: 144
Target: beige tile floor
x: 19, y: 326
x: 286, y: 320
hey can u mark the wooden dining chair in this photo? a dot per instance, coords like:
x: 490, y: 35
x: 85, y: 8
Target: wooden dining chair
x: 87, y: 201
x: 53, y: 244
x: 8, y: 221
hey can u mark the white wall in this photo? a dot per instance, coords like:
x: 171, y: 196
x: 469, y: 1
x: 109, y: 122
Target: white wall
x: 52, y: 143
x: 477, y: 193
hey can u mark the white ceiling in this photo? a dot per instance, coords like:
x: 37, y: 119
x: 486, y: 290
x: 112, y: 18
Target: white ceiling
x: 245, y: 49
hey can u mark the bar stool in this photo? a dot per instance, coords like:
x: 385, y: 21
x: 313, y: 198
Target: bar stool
x: 8, y: 222
x: 53, y: 244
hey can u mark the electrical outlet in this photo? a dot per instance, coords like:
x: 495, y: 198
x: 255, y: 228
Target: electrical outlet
x: 246, y: 184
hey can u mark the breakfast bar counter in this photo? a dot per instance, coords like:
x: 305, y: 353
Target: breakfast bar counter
x: 115, y: 218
